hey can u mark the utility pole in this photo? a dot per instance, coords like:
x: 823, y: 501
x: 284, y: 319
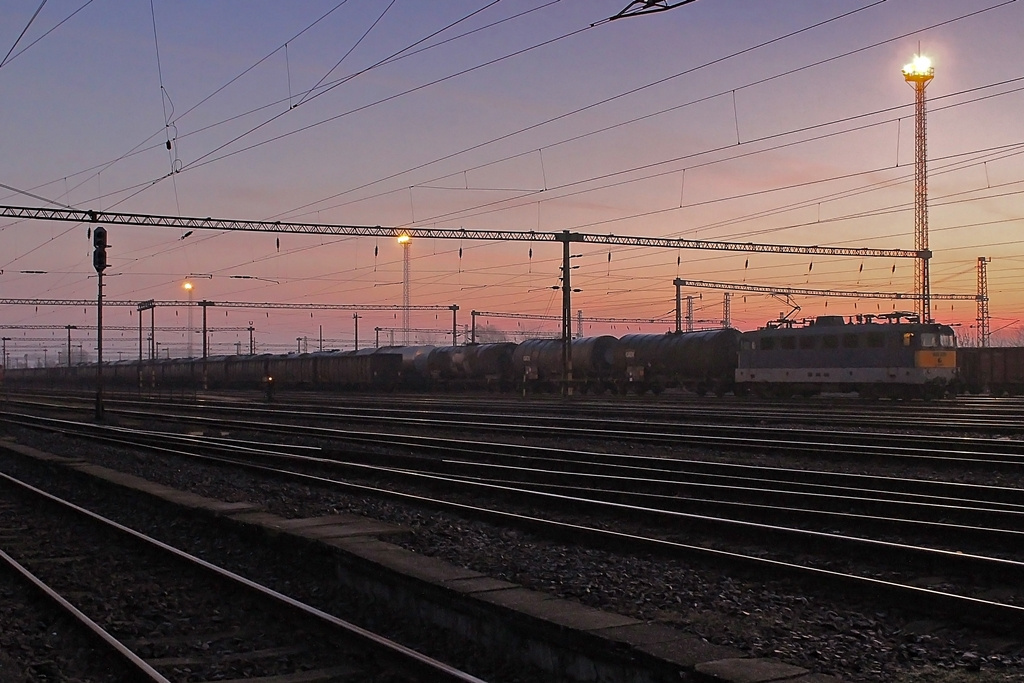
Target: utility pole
x: 70, y: 327
x: 252, y: 344
x: 455, y: 324
x: 205, y: 304
x: 355, y: 318
x: 566, y: 237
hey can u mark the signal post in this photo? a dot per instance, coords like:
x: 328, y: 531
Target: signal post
x: 99, y: 262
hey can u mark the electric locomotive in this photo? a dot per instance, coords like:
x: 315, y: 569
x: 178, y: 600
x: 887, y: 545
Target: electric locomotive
x: 891, y: 355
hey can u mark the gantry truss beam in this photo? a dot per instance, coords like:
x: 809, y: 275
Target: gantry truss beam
x: 417, y: 330
x: 187, y: 223
x: 794, y: 291
x: 117, y: 328
x: 218, y: 304
x: 527, y: 316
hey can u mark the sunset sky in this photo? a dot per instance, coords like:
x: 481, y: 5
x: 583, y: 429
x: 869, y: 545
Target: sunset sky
x: 785, y: 122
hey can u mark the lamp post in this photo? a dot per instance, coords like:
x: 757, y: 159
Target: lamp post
x: 405, y: 240
x: 188, y: 344
x: 5, y: 340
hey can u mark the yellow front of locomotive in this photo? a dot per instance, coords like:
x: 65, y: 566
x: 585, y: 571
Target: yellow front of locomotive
x: 935, y: 358
x: 935, y: 355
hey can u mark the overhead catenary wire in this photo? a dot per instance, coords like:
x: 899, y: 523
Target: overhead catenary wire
x: 23, y: 32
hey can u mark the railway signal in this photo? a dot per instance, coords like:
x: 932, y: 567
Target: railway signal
x: 99, y: 254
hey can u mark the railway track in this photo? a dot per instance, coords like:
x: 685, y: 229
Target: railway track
x: 829, y: 444
x: 980, y: 415
x: 166, y: 615
x: 776, y: 520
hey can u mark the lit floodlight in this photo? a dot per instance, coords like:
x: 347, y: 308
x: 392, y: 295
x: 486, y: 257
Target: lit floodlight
x: 919, y: 69
x: 187, y: 285
x: 404, y: 238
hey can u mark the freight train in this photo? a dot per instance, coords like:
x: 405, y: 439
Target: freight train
x: 875, y: 356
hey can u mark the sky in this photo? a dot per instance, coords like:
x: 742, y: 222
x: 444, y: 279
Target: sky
x: 785, y: 123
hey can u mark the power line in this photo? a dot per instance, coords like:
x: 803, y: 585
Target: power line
x: 576, y: 111
x: 23, y: 31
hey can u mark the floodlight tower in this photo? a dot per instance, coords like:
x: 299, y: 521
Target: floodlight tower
x: 405, y: 240
x: 918, y: 74
x: 188, y: 338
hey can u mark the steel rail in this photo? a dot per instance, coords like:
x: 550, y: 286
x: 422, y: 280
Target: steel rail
x: 694, y: 467
x: 953, y: 604
x: 1003, y: 416
x: 806, y: 483
x: 422, y: 662
x: 151, y: 439
x: 137, y: 663
x: 861, y: 444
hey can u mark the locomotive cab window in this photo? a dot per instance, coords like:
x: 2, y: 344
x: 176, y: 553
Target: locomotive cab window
x: 937, y: 340
x: 788, y: 343
x: 767, y: 343
x: 908, y: 338
x: 830, y: 341
x: 851, y: 341
x: 747, y: 345
x: 807, y: 342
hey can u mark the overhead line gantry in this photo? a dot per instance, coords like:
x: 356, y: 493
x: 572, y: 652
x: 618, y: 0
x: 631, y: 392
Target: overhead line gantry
x: 796, y: 291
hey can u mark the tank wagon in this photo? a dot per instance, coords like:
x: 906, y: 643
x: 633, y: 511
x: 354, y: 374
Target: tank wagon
x: 700, y: 362
x: 875, y: 356
x: 997, y: 370
x: 537, y: 364
x: 474, y: 366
